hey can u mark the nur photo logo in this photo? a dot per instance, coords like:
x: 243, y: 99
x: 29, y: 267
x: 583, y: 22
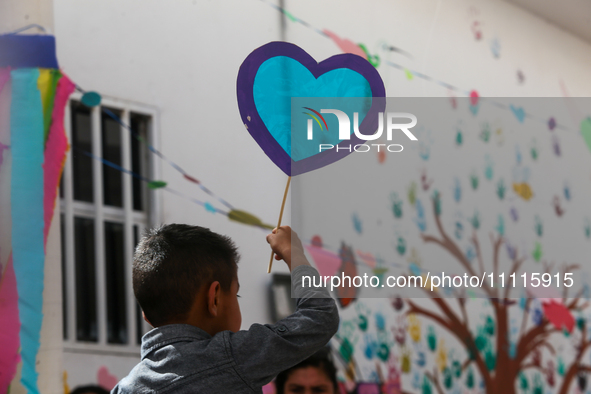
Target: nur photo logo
x: 394, y: 121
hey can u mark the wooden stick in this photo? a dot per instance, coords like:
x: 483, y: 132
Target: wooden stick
x: 279, y: 222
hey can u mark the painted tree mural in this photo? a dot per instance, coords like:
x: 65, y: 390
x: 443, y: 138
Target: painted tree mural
x: 500, y: 362
x: 495, y: 196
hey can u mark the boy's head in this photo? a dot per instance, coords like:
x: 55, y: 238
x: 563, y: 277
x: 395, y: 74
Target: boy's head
x: 178, y: 268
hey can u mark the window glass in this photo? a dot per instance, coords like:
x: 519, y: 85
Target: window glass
x: 115, y: 278
x: 64, y: 278
x: 81, y: 163
x: 86, y: 309
x: 111, y: 143
x: 140, y: 125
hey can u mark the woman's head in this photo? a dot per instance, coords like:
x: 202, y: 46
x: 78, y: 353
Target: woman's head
x: 315, y: 375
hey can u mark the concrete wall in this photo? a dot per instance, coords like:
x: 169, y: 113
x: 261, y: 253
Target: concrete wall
x: 15, y: 14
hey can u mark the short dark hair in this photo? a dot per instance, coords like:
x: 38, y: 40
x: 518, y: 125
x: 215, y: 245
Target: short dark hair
x: 172, y: 262
x: 321, y: 359
x: 89, y: 389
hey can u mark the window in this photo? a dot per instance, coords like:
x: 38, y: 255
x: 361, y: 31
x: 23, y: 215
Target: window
x: 103, y: 213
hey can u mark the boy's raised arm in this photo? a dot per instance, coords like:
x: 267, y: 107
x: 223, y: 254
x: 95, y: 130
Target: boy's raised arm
x: 287, y: 247
x: 265, y: 350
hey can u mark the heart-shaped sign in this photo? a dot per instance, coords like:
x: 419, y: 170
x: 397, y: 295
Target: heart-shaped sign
x: 277, y: 72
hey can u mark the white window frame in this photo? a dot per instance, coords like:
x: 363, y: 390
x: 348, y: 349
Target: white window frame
x: 101, y: 213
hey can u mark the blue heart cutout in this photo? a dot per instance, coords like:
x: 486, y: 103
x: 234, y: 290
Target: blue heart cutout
x: 281, y: 78
x: 274, y: 74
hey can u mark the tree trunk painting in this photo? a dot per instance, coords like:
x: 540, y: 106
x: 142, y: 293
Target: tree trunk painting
x: 501, y: 375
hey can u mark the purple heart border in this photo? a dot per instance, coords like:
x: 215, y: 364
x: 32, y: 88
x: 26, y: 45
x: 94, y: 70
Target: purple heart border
x: 256, y: 127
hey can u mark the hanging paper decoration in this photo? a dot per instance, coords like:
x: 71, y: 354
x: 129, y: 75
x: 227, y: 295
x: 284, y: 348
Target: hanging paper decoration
x: 38, y: 95
x: 10, y: 322
x: 156, y: 184
x: 91, y: 99
x: 347, y: 46
x: 247, y: 218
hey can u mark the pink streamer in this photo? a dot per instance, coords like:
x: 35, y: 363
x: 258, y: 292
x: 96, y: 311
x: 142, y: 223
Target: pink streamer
x: 10, y: 323
x: 55, y: 149
x: 4, y: 77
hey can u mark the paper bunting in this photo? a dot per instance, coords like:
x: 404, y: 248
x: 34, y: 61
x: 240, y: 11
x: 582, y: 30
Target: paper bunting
x: 348, y: 46
x: 91, y: 99
x: 55, y: 149
x: 247, y: 218
x: 156, y: 184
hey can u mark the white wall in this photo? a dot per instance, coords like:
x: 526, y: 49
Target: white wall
x: 15, y: 14
x: 183, y: 56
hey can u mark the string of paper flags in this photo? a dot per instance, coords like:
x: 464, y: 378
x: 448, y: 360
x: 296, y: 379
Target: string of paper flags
x: 93, y: 99
x: 475, y: 99
x: 233, y: 214
x: 379, y: 265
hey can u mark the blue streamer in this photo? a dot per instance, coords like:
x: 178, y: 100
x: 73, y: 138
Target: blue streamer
x: 28, y: 250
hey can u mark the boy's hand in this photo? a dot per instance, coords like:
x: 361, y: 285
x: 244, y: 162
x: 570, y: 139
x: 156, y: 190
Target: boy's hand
x: 287, y: 247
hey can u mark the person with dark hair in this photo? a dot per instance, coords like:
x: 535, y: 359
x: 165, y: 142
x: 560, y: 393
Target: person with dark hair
x: 185, y: 279
x: 173, y: 262
x: 315, y: 375
x: 89, y: 390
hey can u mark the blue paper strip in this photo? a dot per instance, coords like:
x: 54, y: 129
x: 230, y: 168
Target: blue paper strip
x: 27, y: 140
x: 20, y: 51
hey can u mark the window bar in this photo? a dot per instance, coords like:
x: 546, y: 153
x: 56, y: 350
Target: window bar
x: 128, y: 237
x: 99, y: 226
x: 154, y: 211
x: 153, y: 206
x: 68, y: 210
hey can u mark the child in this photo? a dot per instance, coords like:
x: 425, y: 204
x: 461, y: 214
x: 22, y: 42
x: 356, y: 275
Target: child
x: 316, y: 374
x: 185, y: 279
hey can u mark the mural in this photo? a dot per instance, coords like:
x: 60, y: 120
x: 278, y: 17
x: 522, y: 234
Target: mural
x: 488, y: 208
